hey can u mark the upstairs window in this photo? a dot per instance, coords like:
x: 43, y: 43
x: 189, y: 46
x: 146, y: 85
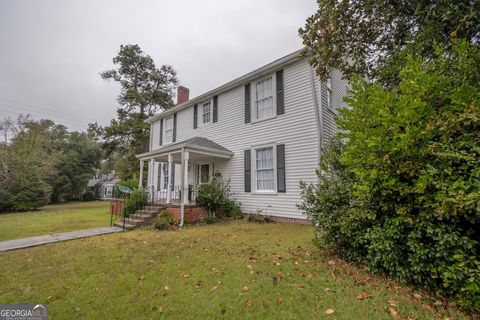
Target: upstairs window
x: 263, y: 99
x: 206, y: 113
x: 168, y: 130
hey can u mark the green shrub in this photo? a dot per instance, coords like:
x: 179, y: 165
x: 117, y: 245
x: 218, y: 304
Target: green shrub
x: 402, y: 193
x: 214, y: 195
x: 88, y: 196
x: 210, y: 219
x: 131, y: 183
x: 165, y: 221
x: 135, y: 201
x: 232, y: 209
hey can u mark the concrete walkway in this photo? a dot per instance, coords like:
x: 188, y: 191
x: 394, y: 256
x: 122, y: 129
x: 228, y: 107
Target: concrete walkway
x: 36, y: 241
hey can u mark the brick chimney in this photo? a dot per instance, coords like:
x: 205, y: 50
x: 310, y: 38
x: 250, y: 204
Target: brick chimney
x: 182, y: 94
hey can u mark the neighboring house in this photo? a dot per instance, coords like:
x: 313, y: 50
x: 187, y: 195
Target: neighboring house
x: 264, y: 131
x: 103, y: 187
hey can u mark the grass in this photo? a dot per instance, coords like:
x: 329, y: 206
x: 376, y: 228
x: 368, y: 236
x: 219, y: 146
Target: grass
x: 223, y: 271
x: 54, y: 219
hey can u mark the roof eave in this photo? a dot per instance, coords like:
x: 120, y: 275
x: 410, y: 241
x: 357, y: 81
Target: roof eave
x: 229, y: 85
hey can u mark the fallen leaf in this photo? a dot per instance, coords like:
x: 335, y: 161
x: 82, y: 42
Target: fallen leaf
x: 438, y: 303
x: 279, y: 301
x: 158, y: 308
x: 393, y: 313
x: 331, y: 263
x: 248, y: 303
x: 329, y: 311
x: 245, y: 289
x: 142, y: 277
x: 393, y: 303
x: 362, y: 295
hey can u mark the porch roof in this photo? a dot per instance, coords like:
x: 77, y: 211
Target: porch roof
x: 195, y: 144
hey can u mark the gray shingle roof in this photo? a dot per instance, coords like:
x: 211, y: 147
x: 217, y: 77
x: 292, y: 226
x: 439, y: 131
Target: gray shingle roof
x: 202, y: 142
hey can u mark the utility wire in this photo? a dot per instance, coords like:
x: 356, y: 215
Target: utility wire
x: 36, y: 107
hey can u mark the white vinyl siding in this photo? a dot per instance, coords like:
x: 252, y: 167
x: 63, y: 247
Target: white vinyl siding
x: 296, y: 129
x: 265, y: 168
x: 168, y: 130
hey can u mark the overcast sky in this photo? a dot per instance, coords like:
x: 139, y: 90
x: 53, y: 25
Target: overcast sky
x: 52, y: 51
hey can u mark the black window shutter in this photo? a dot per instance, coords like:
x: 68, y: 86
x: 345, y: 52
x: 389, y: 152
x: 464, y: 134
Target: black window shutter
x: 161, y: 131
x: 247, y: 103
x: 280, y: 99
x: 248, y: 171
x: 174, y: 137
x: 281, y: 168
x: 215, y: 109
x: 172, y: 183
x: 195, y: 117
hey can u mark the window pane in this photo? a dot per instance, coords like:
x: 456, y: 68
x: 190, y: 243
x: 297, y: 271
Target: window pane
x: 265, y: 169
x: 264, y: 99
x: 206, y: 110
x: 204, y: 173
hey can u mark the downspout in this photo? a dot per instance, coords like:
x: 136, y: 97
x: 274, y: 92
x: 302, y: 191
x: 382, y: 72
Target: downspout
x: 182, y: 184
x: 318, y: 112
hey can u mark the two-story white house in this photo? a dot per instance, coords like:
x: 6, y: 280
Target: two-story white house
x: 264, y: 131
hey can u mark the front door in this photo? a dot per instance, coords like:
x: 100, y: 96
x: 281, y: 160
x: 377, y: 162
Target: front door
x: 203, y: 173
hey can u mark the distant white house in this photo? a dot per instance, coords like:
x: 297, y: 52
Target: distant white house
x: 103, y: 187
x: 264, y: 131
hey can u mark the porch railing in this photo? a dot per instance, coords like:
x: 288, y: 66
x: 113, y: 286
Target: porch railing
x: 132, y: 205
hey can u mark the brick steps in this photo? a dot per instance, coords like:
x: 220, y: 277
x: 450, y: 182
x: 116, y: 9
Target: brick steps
x: 141, y: 217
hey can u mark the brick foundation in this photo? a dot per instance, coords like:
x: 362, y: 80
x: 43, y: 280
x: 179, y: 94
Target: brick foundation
x: 192, y: 214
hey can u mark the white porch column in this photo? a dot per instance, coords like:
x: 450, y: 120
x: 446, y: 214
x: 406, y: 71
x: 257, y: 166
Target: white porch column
x: 140, y: 178
x: 183, y: 174
x: 185, y: 185
x: 151, y: 175
x: 170, y: 183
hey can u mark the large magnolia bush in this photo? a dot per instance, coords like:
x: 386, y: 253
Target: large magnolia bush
x: 402, y: 193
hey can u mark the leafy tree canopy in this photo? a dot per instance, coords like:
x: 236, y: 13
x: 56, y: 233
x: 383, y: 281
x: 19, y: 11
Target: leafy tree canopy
x: 145, y: 90
x: 362, y: 37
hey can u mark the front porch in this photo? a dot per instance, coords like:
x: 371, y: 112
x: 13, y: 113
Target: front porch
x: 176, y: 170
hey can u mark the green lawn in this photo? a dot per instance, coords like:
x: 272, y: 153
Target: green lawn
x: 224, y: 271
x: 53, y: 219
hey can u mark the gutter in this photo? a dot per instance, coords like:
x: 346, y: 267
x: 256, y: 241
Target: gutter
x: 318, y: 112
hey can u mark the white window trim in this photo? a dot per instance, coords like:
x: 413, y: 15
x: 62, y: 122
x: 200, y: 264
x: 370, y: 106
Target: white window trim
x: 253, y: 84
x: 164, y: 133
x: 254, y: 171
x: 200, y: 113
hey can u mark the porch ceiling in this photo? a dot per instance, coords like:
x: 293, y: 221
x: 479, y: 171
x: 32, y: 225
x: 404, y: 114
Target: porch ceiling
x: 198, y: 147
